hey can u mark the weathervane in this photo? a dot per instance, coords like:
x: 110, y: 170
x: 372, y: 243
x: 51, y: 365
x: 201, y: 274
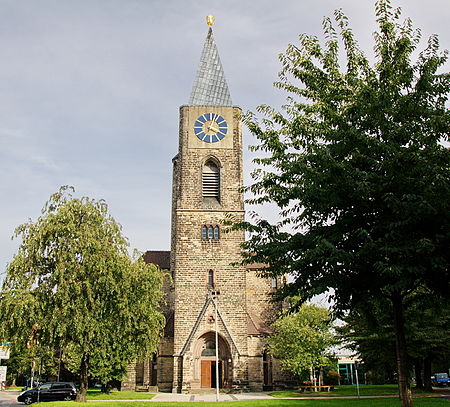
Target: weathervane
x: 210, y: 20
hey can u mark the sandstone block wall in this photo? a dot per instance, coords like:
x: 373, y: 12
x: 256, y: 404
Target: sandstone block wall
x: 192, y: 256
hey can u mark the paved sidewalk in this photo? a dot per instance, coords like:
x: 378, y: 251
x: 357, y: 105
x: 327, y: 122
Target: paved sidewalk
x: 8, y: 398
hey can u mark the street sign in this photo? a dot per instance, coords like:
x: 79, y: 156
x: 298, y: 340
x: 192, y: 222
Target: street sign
x: 3, y: 374
x: 4, y: 350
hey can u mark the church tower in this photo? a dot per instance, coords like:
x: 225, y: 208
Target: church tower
x: 207, y: 182
x: 218, y: 313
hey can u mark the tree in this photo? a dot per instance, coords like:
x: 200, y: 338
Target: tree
x: 22, y: 361
x: 355, y: 162
x: 427, y: 319
x: 369, y: 331
x: 302, y: 340
x: 73, y: 286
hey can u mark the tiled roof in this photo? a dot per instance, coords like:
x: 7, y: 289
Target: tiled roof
x: 256, y: 326
x: 210, y: 87
x: 160, y: 258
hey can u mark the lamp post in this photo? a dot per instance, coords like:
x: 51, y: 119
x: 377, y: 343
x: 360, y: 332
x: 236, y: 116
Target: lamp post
x: 214, y: 295
x: 357, y: 379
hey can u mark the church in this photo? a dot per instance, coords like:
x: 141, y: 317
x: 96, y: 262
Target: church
x: 218, y: 313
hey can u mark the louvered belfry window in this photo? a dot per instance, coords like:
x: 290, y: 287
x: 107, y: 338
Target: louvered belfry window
x: 211, y: 180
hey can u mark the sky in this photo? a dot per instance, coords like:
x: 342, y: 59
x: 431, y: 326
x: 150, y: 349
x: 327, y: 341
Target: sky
x: 90, y: 92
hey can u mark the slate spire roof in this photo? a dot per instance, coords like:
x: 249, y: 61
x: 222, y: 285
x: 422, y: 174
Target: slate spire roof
x: 210, y: 87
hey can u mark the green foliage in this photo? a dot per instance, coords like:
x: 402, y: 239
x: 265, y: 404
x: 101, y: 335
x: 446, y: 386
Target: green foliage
x: 302, y: 340
x: 21, y: 360
x: 73, y: 286
x: 347, y: 391
x: 356, y: 164
x: 369, y: 331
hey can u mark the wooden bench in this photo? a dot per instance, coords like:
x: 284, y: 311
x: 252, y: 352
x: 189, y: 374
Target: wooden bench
x: 316, y: 388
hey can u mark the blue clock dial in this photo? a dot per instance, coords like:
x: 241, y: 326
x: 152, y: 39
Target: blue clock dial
x: 210, y: 127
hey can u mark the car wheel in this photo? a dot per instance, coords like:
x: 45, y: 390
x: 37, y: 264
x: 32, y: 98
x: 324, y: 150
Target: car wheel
x: 67, y: 398
x: 28, y: 400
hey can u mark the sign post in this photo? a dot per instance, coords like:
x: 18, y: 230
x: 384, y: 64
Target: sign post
x: 3, y: 377
x: 4, y: 354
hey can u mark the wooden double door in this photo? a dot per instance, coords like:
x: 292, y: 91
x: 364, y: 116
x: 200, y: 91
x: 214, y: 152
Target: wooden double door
x: 208, y: 374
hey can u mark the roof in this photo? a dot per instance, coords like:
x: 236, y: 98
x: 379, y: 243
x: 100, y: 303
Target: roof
x: 256, y: 266
x: 256, y: 326
x: 160, y: 258
x: 210, y: 87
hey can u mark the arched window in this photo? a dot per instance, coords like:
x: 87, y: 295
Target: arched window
x: 274, y: 282
x: 211, y: 278
x: 211, y: 180
x: 267, y: 370
x: 210, y: 232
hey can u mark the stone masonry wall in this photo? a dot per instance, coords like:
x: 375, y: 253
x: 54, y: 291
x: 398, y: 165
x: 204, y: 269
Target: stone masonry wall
x: 259, y: 296
x: 192, y: 256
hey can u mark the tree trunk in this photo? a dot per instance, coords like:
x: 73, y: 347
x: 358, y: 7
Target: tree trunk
x: 418, y: 373
x: 400, y: 348
x: 427, y: 374
x: 84, y: 367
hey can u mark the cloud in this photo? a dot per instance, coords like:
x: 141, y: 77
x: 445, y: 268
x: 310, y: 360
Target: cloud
x: 18, y: 152
x: 90, y: 92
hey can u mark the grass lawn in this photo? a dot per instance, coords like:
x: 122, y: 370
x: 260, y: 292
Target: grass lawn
x: 96, y: 394
x: 258, y: 403
x: 364, y: 390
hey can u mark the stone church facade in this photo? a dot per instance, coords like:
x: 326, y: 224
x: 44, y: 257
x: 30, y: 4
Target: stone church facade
x: 208, y: 291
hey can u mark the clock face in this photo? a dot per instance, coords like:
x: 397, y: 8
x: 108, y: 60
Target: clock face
x: 210, y: 127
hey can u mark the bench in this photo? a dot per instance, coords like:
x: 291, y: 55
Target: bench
x: 316, y: 388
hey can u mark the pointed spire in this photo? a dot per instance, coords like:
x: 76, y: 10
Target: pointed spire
x: 210, y: 87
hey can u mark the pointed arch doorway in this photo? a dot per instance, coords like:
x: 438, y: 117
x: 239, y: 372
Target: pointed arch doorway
x: 205, y: 358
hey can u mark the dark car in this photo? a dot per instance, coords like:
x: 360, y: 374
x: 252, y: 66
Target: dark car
x: 49, y: 392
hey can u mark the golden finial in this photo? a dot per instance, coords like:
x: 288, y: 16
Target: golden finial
x: 210, y: 20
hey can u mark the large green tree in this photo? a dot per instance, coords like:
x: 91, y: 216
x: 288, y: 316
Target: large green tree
x: 303, y: 340
x: 369, y: 331
x: 356, y: 164
x: 73, y: 287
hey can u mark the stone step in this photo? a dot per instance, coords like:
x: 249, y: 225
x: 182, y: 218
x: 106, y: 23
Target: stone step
x: 147, y: 389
